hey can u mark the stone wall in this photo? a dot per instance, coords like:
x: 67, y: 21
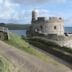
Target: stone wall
x: 3, y: 36
x: 54, y: 28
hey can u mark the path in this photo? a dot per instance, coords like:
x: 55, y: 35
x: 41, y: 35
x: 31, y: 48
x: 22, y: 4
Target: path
x: 25, y: 62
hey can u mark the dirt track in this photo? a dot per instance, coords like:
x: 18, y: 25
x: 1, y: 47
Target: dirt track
x: 25, y: 62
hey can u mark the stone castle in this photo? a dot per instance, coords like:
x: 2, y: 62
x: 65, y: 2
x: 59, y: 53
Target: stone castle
x: 52, y: 29
x: 51, y: 26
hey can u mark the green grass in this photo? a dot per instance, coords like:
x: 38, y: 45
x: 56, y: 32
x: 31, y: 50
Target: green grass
x: 6, y: 66
x: 21, y: 44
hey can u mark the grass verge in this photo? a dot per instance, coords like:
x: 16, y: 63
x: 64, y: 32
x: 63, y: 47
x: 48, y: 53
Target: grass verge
x: 6, y: 66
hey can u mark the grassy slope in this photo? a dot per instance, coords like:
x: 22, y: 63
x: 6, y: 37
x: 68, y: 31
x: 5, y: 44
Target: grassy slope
x: 19, y: 43
x: 6, y: 66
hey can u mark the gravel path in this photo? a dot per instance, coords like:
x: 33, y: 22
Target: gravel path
x: 25, y: 62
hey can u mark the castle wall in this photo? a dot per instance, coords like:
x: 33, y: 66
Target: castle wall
x: 38, y: 27
x: 54, y: 28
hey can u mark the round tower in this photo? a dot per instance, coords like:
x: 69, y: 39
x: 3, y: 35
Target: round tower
x: 34, y: 15
x: 54, y: 25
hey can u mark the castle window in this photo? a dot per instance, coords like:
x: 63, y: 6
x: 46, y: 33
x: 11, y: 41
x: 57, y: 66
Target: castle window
x: 36, y: 30
x: 55, y: 27
x: 41, y: 27
x: 60, y: 18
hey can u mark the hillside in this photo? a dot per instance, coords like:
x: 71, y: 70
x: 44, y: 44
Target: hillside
x: 17, y: 26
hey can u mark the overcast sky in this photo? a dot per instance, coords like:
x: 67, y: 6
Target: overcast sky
x: 19, y: 11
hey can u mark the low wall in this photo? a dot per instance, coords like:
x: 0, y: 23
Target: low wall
x: 60, y: 40
x: 4, y: 36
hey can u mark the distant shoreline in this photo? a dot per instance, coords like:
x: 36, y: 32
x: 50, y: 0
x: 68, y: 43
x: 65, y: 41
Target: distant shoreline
x: 11, y: 26
x: 17, y: 26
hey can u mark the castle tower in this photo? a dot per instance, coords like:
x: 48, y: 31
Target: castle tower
x: 34, y: 15
x: 55, y: 25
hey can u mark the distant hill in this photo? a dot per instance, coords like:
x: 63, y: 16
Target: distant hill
x: 2, y: 24
x: 17, y: 26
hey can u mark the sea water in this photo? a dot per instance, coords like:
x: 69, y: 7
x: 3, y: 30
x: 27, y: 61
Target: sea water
x: 23, y: 32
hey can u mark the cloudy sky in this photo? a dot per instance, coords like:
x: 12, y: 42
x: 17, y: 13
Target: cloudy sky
x: 19, y: 11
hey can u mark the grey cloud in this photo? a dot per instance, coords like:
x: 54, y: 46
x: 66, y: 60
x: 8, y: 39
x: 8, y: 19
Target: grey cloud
x: 27, y: 1
x: 36, y: 1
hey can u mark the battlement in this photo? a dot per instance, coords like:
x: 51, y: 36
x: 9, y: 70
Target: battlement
x: 55, y: 19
